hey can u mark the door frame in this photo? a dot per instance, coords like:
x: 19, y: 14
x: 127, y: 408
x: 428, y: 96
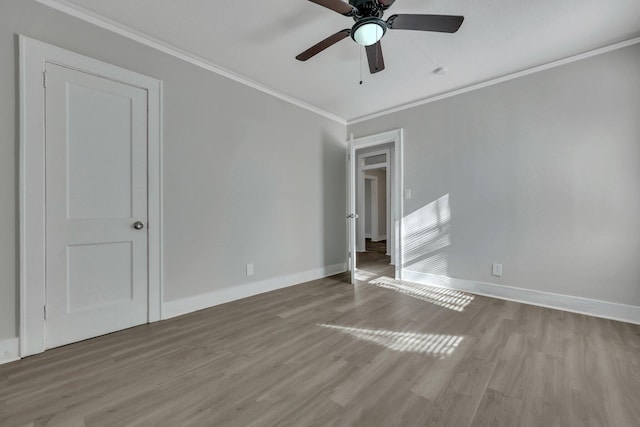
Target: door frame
x: 33, y: 55
x: 396, y: 183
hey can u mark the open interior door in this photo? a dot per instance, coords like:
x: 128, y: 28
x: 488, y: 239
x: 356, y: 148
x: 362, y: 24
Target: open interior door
x: 351, y: 209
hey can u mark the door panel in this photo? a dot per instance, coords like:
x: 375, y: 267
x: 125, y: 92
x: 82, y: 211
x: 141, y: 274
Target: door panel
x: 96, y: 188
x: 102, y: 188
x: 107, y: 267
x: 351, y: 217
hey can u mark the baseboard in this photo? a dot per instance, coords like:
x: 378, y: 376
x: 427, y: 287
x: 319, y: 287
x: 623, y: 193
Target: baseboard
x: 380, y: 238
x: 368, y: 235
x: 591, y: 307
x: 9, y: 350
x: 232, y: 293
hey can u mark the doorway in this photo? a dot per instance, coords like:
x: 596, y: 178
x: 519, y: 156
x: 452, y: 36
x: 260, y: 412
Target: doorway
x: 372, y: 160
x: 90, y: 222
x: 373, y: 195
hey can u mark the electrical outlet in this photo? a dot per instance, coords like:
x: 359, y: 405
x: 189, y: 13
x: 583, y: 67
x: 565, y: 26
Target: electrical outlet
x: 496, y: 269
x: 249, y: 269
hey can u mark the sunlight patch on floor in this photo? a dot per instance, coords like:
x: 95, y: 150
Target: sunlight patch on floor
x: 443, y: 297
x: 365, y: 276
x: 436, y: 345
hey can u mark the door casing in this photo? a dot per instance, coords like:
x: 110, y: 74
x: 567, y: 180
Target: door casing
x: 397, y: 203
x: 33, y: 55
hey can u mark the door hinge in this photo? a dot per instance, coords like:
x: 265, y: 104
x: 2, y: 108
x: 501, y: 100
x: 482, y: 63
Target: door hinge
x: 44, y: 310
x: 44, y: 79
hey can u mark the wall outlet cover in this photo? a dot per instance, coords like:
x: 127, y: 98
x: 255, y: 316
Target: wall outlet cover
x: 496, y: 269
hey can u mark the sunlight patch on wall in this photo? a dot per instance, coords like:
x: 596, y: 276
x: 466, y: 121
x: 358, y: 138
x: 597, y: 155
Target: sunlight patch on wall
x: 443, y: 297
x: 426, y: 232
x: 436, y: 345
x: 433, y: 264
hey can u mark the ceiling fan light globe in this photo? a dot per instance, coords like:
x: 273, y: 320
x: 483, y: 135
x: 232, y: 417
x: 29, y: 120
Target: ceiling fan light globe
x: 368, y: 32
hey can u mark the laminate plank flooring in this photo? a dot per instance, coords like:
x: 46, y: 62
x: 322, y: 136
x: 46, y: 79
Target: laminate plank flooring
x: 378, y: 247
x: 325, y: 353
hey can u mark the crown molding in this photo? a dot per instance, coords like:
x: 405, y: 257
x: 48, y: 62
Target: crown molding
x: 147, y: 40
x: 495, y: 81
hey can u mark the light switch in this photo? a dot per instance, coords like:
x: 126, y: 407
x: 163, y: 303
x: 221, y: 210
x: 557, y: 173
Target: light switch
x: 407, y: 193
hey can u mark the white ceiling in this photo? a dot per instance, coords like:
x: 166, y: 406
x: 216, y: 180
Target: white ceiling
x: 259, y: 39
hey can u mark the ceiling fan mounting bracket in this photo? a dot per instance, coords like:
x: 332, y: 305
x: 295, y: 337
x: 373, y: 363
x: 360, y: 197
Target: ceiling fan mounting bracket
x: 366, y: 9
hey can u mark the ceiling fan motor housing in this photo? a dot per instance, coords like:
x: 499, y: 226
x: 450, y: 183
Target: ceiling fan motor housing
x: 369, y: 26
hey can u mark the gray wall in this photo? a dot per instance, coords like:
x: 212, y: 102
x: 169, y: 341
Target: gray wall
x: 540, y: 173
x: 248, y: 177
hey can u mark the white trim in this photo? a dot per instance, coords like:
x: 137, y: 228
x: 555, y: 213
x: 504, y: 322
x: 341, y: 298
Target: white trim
x: 232, y: 293
x: 495, y: 81
x: 155, y: 203
x: 9, y: 350
x: 147, y: 40
x: 381, y: 237
x: 374, y: 166
x: 574, y: 304
x: 33, y: 56
x: 388, y: 223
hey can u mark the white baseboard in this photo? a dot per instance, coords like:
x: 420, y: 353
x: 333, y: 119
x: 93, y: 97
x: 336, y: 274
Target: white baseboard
x: 9, y: 350
x: 591, y: 307
x: 379, y: 238
x: 232, y: 293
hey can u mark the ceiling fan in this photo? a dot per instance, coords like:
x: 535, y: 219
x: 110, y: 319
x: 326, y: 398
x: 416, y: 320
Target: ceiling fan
x: 370, y: 27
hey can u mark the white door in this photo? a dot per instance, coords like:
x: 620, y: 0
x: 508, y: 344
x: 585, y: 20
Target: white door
x: 351, y: 215
x: 96, y: 206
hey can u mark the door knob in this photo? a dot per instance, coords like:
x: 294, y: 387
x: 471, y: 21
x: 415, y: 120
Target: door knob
x: 138, y: 225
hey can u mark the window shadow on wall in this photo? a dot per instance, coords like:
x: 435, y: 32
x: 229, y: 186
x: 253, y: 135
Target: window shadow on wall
x: 426, y: 235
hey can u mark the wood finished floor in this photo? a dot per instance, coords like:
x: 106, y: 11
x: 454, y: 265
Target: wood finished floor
x: 378, y: 247
x: 325, y: 353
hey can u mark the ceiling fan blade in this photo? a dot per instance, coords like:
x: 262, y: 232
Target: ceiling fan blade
x: 375, y: 58
x: 336, y: 5
x: 319, y: 47
x: 440, y: 23
x: 386, y: 3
